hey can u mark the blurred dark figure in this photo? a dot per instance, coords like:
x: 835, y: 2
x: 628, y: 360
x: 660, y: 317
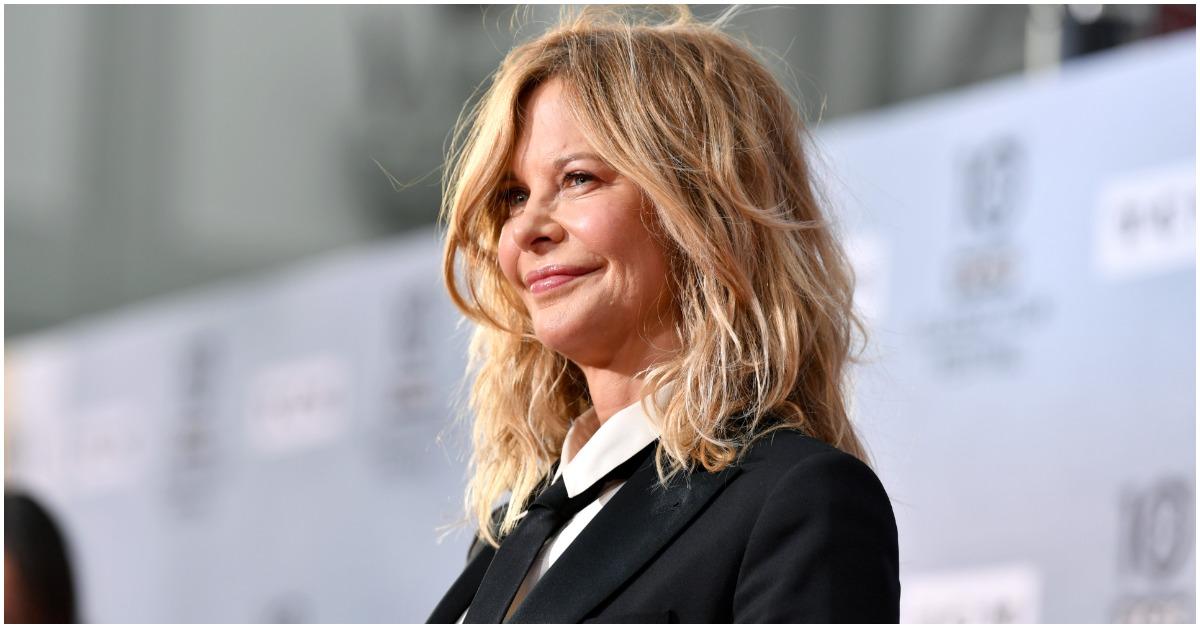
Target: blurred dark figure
x: 1089, y: 28
x: 38, y: 586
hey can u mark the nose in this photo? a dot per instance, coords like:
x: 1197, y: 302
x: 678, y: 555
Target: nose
x: 535, y: 228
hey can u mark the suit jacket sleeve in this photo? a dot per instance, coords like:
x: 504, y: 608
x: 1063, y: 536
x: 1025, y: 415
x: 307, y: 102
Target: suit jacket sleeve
x: 823, y: 549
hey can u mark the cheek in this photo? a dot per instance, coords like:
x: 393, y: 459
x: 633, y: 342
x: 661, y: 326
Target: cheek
x: 650, y: 263
x: 653, y: 270
x: 641, y: 248
x: 506, y: 255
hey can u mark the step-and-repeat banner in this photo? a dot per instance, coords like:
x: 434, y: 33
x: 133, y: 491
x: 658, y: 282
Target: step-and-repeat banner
x: 291, y: 448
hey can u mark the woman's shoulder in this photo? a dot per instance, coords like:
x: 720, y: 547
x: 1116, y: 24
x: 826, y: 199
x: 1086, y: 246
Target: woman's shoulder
x: 821, y: 542
x: 789, y: 460
x: 783, y: 447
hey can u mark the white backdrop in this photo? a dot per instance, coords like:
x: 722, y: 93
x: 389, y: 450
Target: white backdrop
x: 283, y: 448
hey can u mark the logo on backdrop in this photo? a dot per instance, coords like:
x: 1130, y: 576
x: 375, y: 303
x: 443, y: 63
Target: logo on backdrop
x: 193, y: 459
x: 990, y: 306
x: 407, y: 386
x: 993, y: 184
x: 1146, y: 223
x: 988, y: 594
x: 110, y: 448
x: 299, y: 404
x: 1156, y: 552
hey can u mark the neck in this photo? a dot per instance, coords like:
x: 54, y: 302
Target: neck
x: 611, y: 391
x: 618, y: 383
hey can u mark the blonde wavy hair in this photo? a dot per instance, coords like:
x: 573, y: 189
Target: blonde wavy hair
x: 762, y: 287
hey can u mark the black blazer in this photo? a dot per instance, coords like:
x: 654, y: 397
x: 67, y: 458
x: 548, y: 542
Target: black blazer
x: 798, y: 531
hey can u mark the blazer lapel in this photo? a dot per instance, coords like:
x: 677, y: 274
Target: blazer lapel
x: 640, y: 520
x: 456, y: 600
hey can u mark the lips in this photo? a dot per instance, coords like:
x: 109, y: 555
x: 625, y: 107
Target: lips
x: 554, y: 275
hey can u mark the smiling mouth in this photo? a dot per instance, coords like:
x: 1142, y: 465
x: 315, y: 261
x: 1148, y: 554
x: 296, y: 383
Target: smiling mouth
x: 550, y: 277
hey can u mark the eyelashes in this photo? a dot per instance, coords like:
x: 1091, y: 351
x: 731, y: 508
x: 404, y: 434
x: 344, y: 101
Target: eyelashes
x: 516, y: 196
x: 513, y: 196
x: 578, y: 179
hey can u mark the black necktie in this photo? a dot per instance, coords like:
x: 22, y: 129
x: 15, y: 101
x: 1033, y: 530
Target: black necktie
x: 549, y: 512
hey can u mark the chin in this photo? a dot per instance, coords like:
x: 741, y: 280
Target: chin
x: 572, y: 341
x: 564, y: 341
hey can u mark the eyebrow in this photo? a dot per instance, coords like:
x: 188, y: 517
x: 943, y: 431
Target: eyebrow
x: 566, y: 159
x: 558, y: 164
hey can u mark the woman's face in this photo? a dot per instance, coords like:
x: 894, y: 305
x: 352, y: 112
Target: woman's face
x: 575, y: 245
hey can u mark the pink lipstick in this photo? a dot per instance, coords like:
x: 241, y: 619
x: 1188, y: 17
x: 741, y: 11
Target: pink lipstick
x: 552, y: 276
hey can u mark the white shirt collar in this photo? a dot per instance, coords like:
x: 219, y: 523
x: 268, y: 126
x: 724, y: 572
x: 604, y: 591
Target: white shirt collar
x: 618, y: 439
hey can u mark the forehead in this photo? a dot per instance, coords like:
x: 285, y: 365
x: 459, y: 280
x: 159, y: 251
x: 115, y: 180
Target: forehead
x: 547, y: 130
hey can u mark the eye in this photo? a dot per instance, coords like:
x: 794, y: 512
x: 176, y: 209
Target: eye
x: 576, y: 179
x: 513, y: 197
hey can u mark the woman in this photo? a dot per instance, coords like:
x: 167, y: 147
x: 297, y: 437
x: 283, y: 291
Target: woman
x: 664, y: 318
